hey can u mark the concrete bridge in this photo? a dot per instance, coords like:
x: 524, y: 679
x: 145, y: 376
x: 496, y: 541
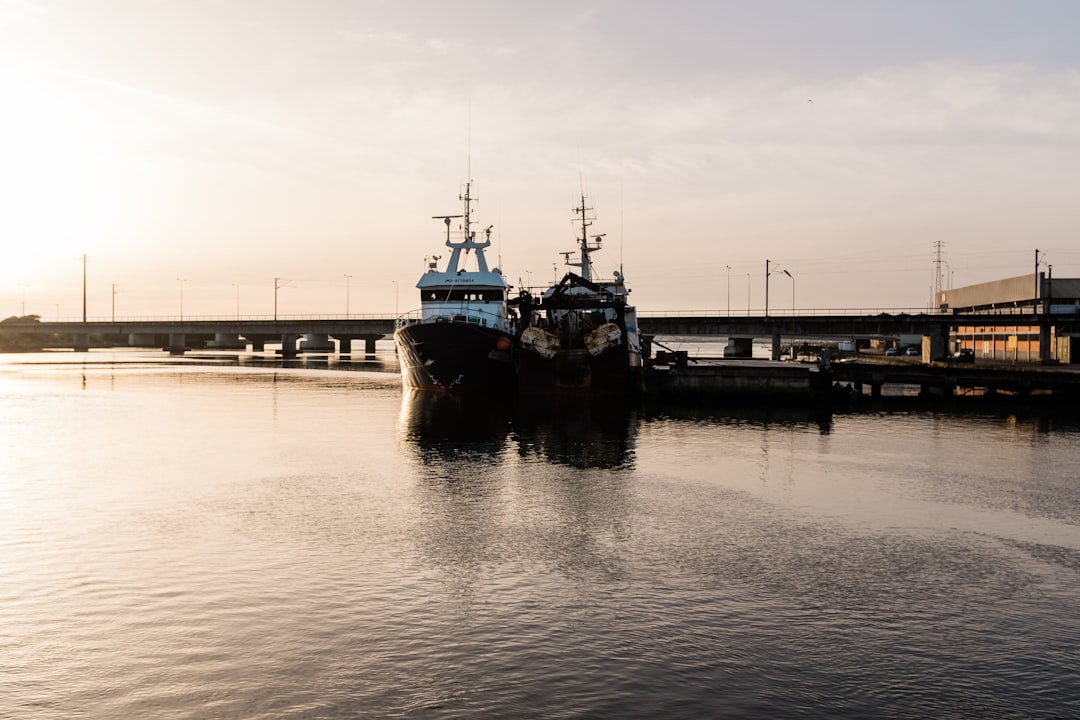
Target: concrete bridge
x: 294, y: 334
x: 313, y: 334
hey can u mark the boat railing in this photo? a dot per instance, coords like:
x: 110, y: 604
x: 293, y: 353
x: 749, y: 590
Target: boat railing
x: 468, y: 314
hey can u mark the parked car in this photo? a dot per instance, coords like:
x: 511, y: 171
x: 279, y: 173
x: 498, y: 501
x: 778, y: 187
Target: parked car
x: 890, y: 352
x: 913, y: 351
x: 964, y: 355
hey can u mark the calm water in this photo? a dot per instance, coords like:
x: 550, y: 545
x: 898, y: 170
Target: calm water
x: 187, y: 541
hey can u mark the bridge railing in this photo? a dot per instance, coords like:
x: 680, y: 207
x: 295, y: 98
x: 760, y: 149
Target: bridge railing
x: 219, y: 318
x: 786, y: 312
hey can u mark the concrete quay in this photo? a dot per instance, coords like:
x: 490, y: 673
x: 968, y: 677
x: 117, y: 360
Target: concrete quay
x: 713, y: 378
x: 782, y: 382
x: 947, y: 379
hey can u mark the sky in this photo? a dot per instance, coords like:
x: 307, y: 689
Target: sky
x: 211, y: 157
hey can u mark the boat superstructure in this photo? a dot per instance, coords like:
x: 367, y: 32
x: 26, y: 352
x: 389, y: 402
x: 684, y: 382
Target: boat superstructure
x: 581, y: 336
x: 462, y: 335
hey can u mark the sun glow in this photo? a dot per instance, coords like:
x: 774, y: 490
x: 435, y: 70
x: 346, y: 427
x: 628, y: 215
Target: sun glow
x: 63, y: 172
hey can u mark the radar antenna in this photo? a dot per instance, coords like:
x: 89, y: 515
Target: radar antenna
x: 446, y: 219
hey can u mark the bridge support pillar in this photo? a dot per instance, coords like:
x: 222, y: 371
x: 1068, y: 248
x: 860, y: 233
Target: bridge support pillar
x: 1045, y: 349
x: 936, y: 391
x: 739, y: 347
x: 288, y: 346
x: 177, y: 343
x: 775, y: 346
x: 939, y: 342
x: 317, y: 343
x: 230, y: 341
x: 369, y: 346
x: 344, y: 345
x: 876, y: 381
x: 80, y: 342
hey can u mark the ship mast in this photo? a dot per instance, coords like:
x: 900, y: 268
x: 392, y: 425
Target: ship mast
x: 584, y: 263
x: 469, y: 243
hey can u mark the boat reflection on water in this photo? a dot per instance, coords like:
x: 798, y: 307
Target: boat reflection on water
x: 450, y: 425
x: 585, y: 433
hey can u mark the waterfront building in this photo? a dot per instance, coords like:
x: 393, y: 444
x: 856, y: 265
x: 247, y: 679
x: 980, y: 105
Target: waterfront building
x: 1023, y: 296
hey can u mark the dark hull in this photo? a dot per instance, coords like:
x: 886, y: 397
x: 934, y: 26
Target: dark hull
x: 448, y: 356
x: 577, y: 373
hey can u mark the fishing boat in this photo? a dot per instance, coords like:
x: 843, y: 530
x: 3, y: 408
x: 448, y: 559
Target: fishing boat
x: 461, y: 337
x: 580, y: 336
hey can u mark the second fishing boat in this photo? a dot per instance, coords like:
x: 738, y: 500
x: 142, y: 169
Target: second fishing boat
x: 580, y: 337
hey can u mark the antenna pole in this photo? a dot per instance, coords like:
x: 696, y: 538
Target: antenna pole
x: 936, y: 300
x: 1035, y: 302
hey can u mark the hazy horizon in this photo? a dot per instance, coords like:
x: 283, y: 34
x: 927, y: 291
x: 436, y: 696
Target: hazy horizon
x: 216, y: 146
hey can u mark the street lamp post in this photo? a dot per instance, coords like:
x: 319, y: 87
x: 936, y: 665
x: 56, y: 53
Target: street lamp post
x: 767, y: 273
x: 277, y: 284
x: 181, y: 281
x: 395, y: 298
x: 114, y: 302
x: 347, y: 279
x: 747, y: 294
x: 237, y: 286
x: 792, y: 292
x: 728, y: 289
